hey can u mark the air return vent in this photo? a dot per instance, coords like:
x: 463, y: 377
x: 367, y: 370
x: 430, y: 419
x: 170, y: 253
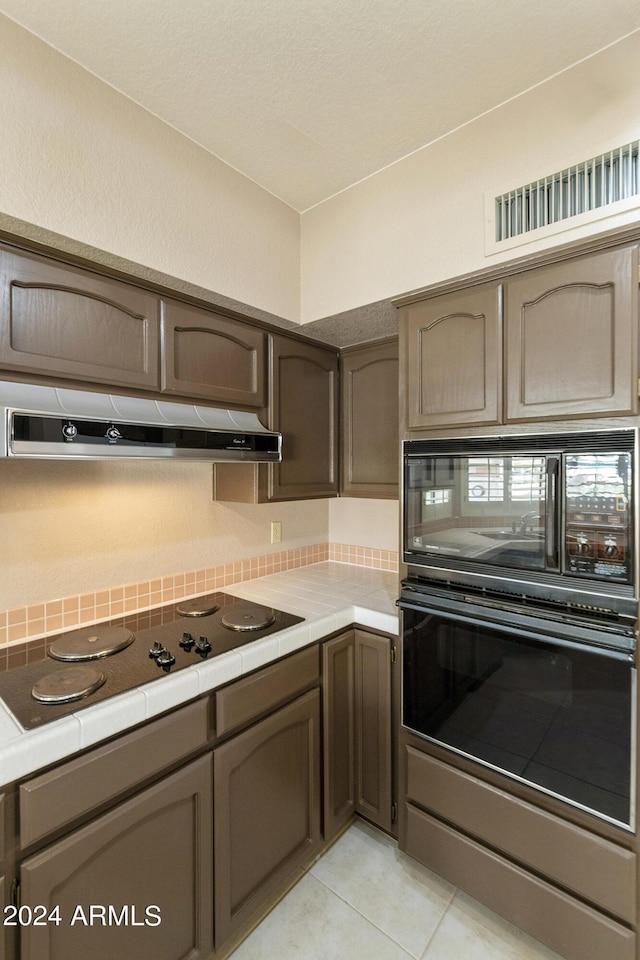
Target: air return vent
x: 583, y: 190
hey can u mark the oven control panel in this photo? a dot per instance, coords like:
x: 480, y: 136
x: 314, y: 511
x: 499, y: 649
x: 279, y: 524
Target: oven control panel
x: 597, y: 537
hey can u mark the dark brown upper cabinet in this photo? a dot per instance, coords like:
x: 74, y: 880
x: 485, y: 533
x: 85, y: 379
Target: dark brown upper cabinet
x: 454, y: 359
x: 370, y: 420
x: 557, y: 341
x: 303, y: 406
x: 571, y: 338
x: 217, y: 358
x: 62, y: 321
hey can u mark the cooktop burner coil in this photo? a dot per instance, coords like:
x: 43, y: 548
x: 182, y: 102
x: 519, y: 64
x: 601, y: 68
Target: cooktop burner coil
x: 243, y: 617
x: 91, y: 643
x: 199, y: 607
x: 68, y: 684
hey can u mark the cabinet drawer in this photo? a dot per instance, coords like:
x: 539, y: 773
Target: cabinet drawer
x: 253, y: 696
x: 74, y: 789
x: 596, y: 869
x: 571, y: 928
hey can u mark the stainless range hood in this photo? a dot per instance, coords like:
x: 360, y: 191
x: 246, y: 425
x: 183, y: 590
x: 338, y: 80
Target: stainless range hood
x: 52, y: 423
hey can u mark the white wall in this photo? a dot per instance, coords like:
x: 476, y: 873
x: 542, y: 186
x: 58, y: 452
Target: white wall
x: 80, y: 159
x: 422, y: 220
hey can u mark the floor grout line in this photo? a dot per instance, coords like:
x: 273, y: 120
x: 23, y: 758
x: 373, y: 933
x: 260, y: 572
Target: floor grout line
x: 454, y: 894
x: 365, y: 918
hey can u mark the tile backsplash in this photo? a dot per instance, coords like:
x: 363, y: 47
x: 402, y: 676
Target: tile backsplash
x: 23, y: 629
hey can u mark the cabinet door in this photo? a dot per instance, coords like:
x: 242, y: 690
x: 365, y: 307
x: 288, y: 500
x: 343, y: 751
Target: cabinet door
x: 267, y: 809
x: 150, y: 857
x: 571, y: 338
x: 453, y: 356
x: 338, y: 727
x: 210, y: 356
x: 304, y: 408
x: 374, y: 777
x: 370, y: 427
x: 62, y: 321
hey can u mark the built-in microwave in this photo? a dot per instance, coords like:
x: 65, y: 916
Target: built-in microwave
x: 548, y: 516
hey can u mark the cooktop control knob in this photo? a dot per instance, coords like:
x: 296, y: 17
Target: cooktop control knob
x: 203, y: 647
x: 165, y: 660
x: 156, y: 649
x: 187, y: 641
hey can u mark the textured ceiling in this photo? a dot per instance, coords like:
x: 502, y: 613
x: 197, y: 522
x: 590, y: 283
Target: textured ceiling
x: 307, y: 97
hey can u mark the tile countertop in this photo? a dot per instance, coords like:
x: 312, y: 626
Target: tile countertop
x: 328, y: 595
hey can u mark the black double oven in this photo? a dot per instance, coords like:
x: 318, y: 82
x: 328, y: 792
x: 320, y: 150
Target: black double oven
x: 520, y: 609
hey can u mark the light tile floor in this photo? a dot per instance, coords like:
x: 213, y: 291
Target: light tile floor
x: 364, y: 900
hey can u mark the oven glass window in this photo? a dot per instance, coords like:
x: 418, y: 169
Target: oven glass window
x: 556, y: 717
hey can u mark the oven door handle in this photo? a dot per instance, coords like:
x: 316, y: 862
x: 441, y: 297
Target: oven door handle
x: 507, y: 625
x: 552, y: 512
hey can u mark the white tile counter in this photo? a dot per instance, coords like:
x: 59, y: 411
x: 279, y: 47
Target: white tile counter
x: 328, y: 595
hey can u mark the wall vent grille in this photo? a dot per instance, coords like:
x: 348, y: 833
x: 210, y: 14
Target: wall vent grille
x: 584, y: 187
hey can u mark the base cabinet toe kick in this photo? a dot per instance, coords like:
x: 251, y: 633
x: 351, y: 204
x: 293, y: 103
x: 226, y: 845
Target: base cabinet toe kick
x: 571, y: 889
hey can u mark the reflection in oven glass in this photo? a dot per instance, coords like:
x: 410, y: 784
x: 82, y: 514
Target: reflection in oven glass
x: 558, y: 718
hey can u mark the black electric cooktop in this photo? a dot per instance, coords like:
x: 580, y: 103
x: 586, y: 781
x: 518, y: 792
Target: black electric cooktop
x: 91, y: 664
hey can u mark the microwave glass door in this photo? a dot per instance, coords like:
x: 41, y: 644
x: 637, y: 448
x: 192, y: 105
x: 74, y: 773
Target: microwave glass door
x: 490, y: 509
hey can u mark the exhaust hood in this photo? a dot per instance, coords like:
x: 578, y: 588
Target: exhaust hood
x: 52, y: 423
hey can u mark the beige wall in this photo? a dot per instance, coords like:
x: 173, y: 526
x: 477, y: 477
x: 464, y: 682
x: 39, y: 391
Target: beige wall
x: 364, y: 523
x: 422, y: 220
x: 70, y: 528
x: 74, y: 527
x: 80, y: 159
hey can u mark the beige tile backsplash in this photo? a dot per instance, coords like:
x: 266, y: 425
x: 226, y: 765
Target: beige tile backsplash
x: 22, y: 629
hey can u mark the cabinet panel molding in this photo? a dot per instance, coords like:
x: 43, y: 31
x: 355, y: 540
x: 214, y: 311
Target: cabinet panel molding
x: 374, y: 787
x: 571, y: 338
x: 454, y: 359
x: 339, y: 716
x: 370, y: 421
x: 62, y: 321
x: 210, y: 356
x: 267, y: 803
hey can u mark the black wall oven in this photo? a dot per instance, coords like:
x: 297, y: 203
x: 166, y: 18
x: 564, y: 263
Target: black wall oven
x: 519, y: 610
x: 550, y: 704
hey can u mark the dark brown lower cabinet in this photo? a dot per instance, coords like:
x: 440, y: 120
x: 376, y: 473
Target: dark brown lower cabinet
x: 374, y: 787
x: 339, y: 730
x: 267, y: 804
x: 566, y: 886
x: 357, y: 690
x: 136, y: 882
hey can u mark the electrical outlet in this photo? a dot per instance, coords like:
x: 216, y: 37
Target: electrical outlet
x: 276, y: 531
